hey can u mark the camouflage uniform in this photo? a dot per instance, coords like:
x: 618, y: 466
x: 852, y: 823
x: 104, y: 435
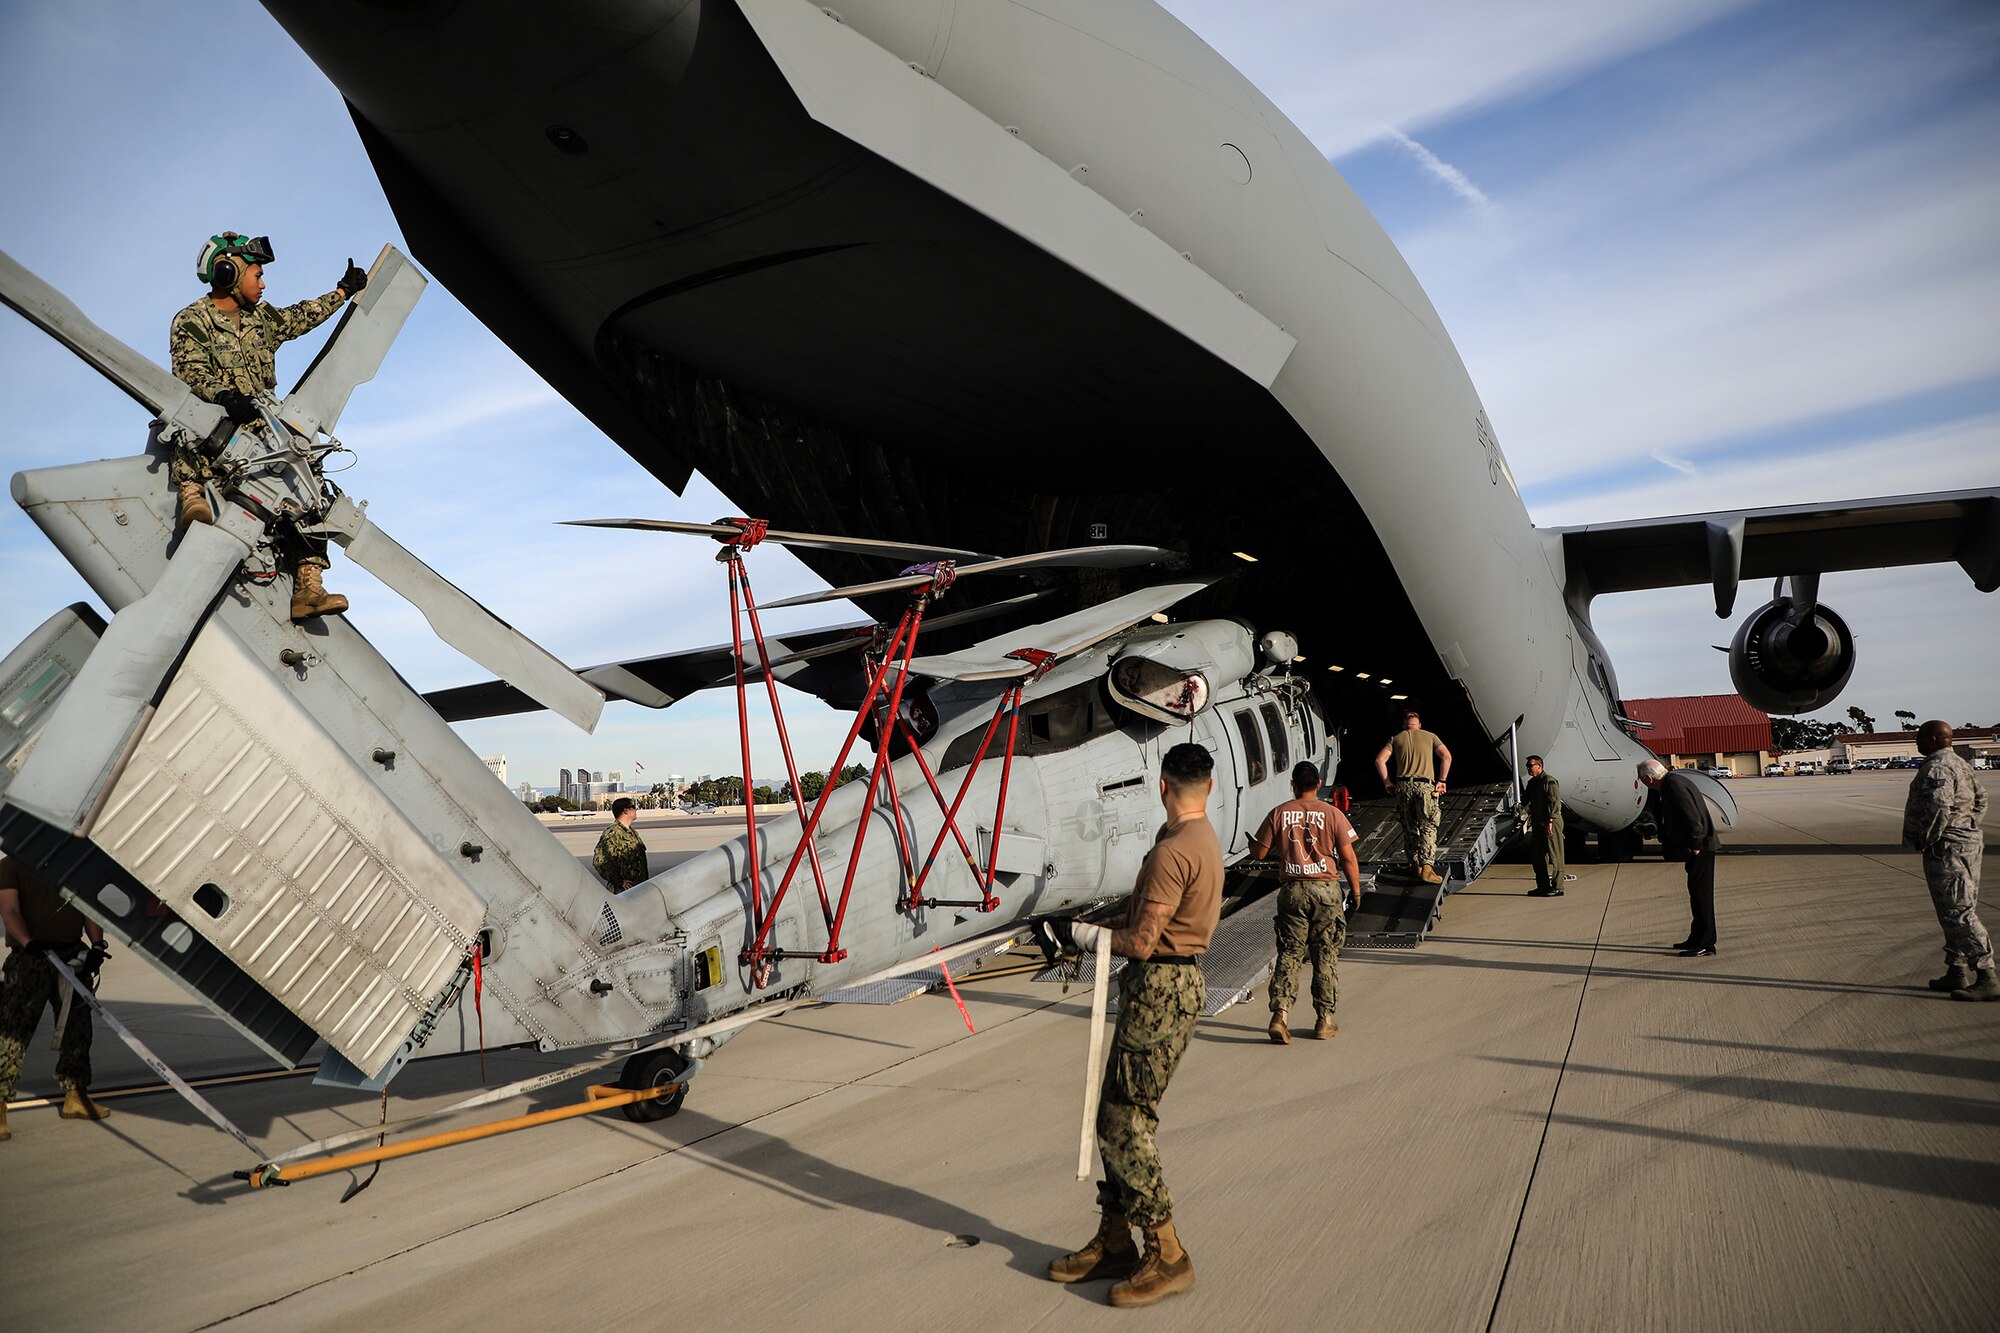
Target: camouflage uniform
x: 1158, y: 1004
x: 213, y: 351
x: 28, y: 985
x: 1417, y: 807
x: 620, y: 856
x: 1311, y: 920
x: 1941, y: 819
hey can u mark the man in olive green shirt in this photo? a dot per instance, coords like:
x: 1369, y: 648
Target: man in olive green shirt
x: 1413, y: 767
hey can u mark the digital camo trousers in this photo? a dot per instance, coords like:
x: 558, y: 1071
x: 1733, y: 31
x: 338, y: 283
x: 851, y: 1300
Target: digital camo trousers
x: 1417, y: 807
x: 1951, y: 868
x: 28, y: 985
x: 1311, y: 924
x: 1158, y: 1005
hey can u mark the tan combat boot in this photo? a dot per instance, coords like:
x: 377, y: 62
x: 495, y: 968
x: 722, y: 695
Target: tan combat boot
x: 1326, y: 1027
x: 1280, y: 1031
x: 1110, y: 1253
x: 5, y: 1133
x: 1957, y: 976
x: 1165, y: 1270
x: 194, y: 505
x: 310, y: 598
x: 1429, y: 875
x: 1987, y: 987
x: 78, y: 1106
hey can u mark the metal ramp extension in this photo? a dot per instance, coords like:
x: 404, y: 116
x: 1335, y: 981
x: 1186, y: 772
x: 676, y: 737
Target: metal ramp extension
x: 1397, y: 910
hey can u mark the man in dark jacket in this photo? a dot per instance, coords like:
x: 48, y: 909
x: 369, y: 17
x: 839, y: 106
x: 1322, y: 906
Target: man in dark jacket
x: 1687, y: 833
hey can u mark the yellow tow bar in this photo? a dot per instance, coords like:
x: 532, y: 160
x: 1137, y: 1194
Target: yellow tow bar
x: 598, y: 1097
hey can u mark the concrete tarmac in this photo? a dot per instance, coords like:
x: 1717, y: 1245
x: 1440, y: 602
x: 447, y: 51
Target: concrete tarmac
x: 1541, y: 1119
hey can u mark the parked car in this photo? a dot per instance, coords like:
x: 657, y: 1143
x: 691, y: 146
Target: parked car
x: 1717, y: 771
x: 1774, y: 770
x: 1806, y: 768
x: 1840, y: 766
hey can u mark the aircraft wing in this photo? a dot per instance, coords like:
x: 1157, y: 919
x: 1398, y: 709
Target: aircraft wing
x: 1724, y: 547
x: 659, y: 681
x: 992, y: 658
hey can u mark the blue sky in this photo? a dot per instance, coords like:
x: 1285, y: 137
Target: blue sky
x: 1696, y: 255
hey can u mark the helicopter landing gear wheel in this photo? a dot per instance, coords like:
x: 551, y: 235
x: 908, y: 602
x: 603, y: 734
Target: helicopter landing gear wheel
x: 653, y: 1069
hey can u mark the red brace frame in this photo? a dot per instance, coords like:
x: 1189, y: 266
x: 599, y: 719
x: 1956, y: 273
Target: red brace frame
x: 895, y: 655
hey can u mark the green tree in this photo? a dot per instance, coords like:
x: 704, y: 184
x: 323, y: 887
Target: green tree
x: 765, y: 796
x: 1862, y: 722
x: 1907, y: 718
x: 1798, y: 733
x: 551, y: 804
x: 849, y: 774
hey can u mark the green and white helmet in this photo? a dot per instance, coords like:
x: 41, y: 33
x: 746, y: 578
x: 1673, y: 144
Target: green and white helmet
x: 231, y: 245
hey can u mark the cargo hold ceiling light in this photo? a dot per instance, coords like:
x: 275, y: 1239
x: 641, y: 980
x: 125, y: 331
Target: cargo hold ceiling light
x: 1244, y: 555
x: 1361, y: 675
x: 1399, y: 696
x: 1331, y: 667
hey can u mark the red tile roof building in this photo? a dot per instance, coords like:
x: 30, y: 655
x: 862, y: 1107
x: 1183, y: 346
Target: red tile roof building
x: 1712, y: 728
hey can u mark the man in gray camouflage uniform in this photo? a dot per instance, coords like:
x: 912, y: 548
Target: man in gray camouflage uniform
x: 1941, y: 819
x: 224, y: 347
x: 1175, y: 904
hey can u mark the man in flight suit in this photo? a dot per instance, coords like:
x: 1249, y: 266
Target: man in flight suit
x: 224, y: 347
x: 1941, y: 819
x: 1313, y: 838
x: 1175, y: 904
x: 1542, y: 795
x: 39, y: 922
x: 1413, y: 767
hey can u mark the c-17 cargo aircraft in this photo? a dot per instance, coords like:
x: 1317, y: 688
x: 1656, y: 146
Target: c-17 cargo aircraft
x: 971, y: 277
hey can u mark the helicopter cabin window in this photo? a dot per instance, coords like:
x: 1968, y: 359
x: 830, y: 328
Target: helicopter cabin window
x: 1060, y: 721
x: 1281, y: 745
x: 1253, y: 748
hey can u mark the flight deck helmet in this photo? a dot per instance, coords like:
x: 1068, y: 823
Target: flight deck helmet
x: 223, y: 258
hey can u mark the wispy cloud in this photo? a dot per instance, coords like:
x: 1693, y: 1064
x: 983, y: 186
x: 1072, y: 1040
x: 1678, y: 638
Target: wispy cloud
x: 1453, y: 179
x: 1680, y: 465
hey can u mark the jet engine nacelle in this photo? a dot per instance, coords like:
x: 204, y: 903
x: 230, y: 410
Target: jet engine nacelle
x: 1787, y: 660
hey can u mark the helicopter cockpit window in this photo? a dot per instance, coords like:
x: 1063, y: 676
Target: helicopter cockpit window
x: 1061, y: 721
x: 1281, y: 746
x: 1253, y: 748
x: 1150, y: 686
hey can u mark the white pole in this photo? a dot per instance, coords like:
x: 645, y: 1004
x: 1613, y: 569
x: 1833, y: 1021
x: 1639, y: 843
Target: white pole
x: 1093, y: 1072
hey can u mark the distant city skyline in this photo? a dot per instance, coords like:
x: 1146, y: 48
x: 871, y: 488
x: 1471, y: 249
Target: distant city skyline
x: 1696, y: 254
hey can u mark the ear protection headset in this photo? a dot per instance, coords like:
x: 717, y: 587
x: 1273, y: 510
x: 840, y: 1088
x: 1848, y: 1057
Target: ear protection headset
x: 223, y: 258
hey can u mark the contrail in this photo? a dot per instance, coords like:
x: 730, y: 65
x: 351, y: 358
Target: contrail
x: 1680, y: 465
x: 1454, y: 180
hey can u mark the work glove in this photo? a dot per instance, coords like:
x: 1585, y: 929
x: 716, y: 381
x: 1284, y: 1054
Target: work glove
x: 237, y: 404
x: 353, y: 280
x: 92, y: 963
x: 1075, y: 936
x: 40, y: 946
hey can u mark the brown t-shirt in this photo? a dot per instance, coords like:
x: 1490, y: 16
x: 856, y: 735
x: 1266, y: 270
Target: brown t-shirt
x: 1184, y: 871
x: 49, y: 915
x: 1307, y: 834
x: 1410, y: 754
